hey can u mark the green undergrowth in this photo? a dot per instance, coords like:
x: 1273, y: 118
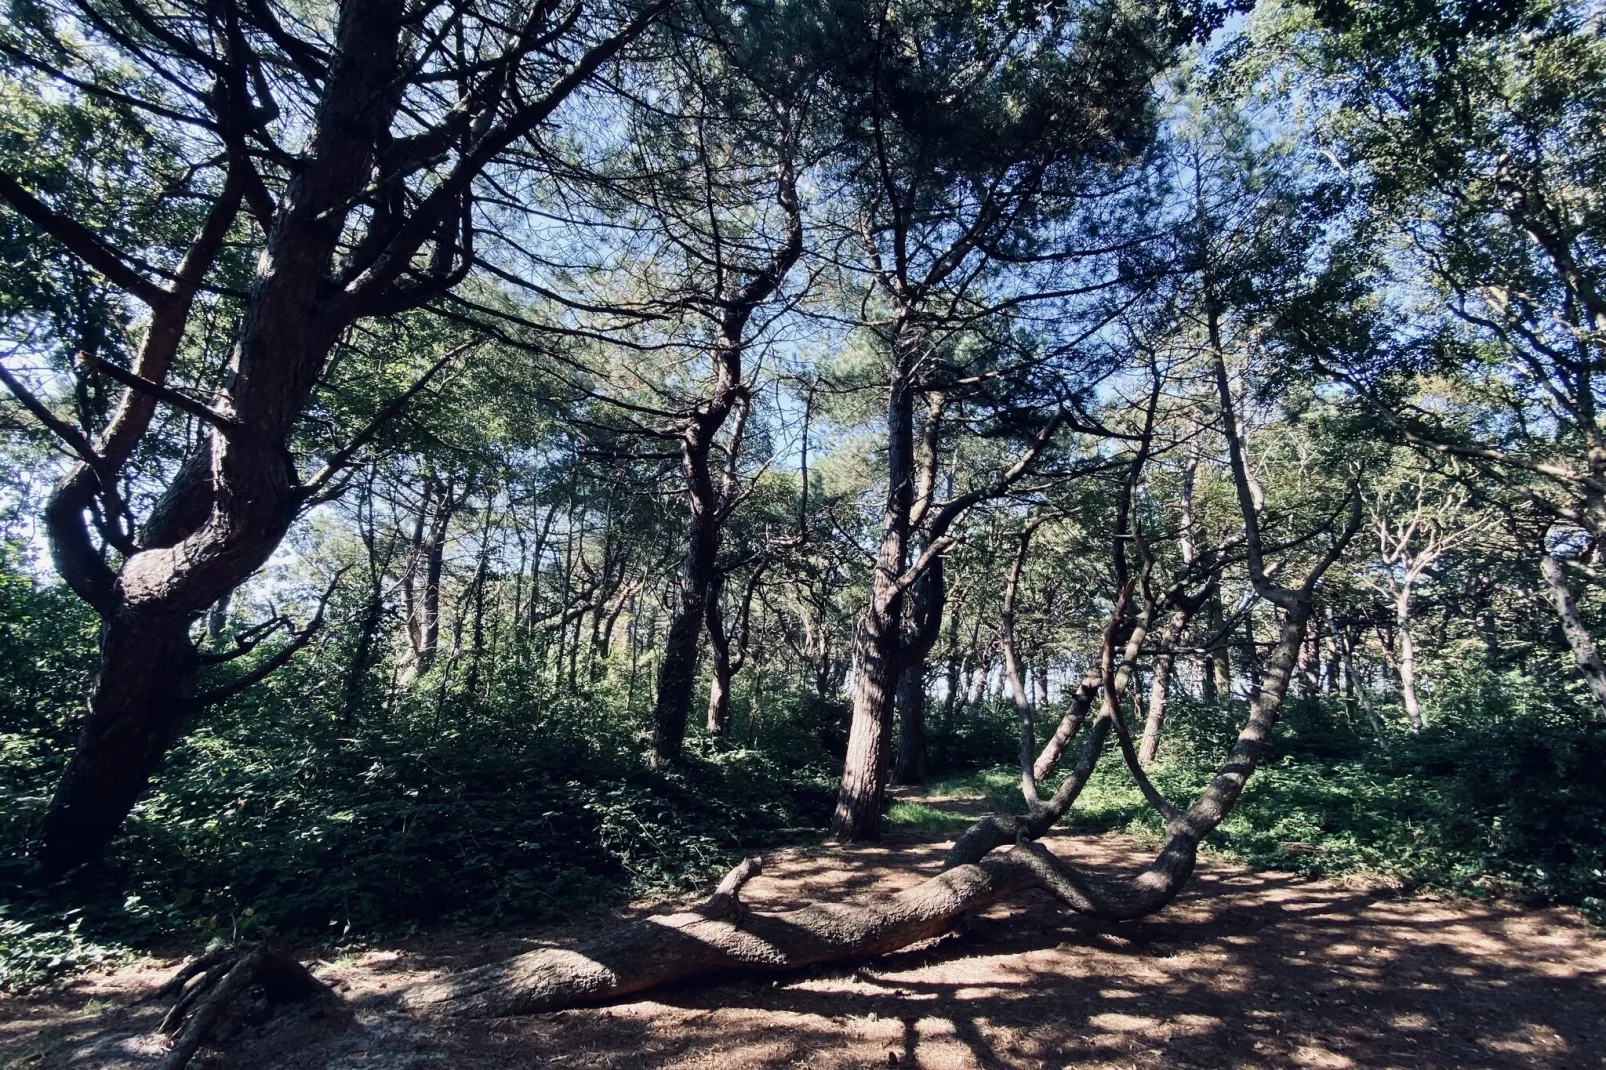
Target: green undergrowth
x: 290, y: 812
x: 1510, y: 808
x: 314, y: 835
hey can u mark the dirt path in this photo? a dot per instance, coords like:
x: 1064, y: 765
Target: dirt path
x: 1245, y: 970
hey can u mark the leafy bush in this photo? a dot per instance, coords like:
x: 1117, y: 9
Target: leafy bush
x: 31, y: 955
x: 293, y: 830
x: 1479, y: 803
x: 983, y: 736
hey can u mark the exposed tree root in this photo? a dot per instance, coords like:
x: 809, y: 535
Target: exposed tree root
x: 208, y: 988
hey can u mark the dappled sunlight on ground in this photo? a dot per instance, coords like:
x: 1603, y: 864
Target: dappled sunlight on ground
x: 1245, y: 970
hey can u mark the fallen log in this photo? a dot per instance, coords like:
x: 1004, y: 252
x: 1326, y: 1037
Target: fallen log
x: 721, y: 936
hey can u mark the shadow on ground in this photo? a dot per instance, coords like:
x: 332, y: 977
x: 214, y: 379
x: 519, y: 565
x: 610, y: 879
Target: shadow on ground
x: 1247, y: 969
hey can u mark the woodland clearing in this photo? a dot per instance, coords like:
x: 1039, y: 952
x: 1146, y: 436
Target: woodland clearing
x: 1246, y: 969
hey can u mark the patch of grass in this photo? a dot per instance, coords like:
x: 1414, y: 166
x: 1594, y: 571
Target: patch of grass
x: 1000, y: 786
x: 907, y: 815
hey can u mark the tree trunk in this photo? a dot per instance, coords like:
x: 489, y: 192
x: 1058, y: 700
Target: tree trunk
x: 719, y: 681
x: 217, y: 620
x: 1160, y: 684
x: 1310, y: 668
x: 1355, y: 690
x: 424, y: 614
x: 723, y: 937
x: 958, y: 665
x: 879, y: 640
x: 864, y: 772
x: 1578, y: 638
x: 1075, y: 714
x: 978, y: 680
x: 1251, y: 656
x: 476, y: 650
x: 677, y: 672
x: 136, y: 709
x: 1343, y: 664
x: 1216, y: 667
x: 719, y: 699
x: 708, y: 507
x: 362, y: 658
x: 430, y: 624
x: 412, y: 619
x: 911, y: 703
x: 1159, y: 688
x: 699, y: 575
x: 1407, y: 665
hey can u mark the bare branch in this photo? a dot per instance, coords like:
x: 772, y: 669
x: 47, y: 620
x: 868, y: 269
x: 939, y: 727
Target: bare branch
x: 280, y: 657
x: 179, y: 400
x: 80, y: 241
x: 63, y: 430
x: 344, y: 455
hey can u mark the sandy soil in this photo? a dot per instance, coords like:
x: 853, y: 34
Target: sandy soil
x: 1247, y: 969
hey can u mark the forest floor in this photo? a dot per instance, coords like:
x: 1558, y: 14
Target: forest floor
x: 1246, y: 969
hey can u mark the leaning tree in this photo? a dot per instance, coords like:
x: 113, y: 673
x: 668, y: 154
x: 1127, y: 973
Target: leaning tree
x: 350, y: 147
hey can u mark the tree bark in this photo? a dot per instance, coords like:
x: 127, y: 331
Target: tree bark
x: 908, y: 768
x: 1075, y: 715
x: 677, y: 672
x: 1160, y: 684
x: 217, y: 620
x: 1024, y: 711
x: 978, y: 679
x: 428, y: 627
x: 1216, y: 666
x: 1310, y: 669
x: 1355, y: 690
x: 1582, y: 644
x: 958, y: 665
x: 362, y: 657
x: 723, y: 937
x: 719, y: 680
x: 147, y: 665
x: 1251, y: 655
x: 1159, y: 689
x: 879, y: 640
x: 1407, y: 662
